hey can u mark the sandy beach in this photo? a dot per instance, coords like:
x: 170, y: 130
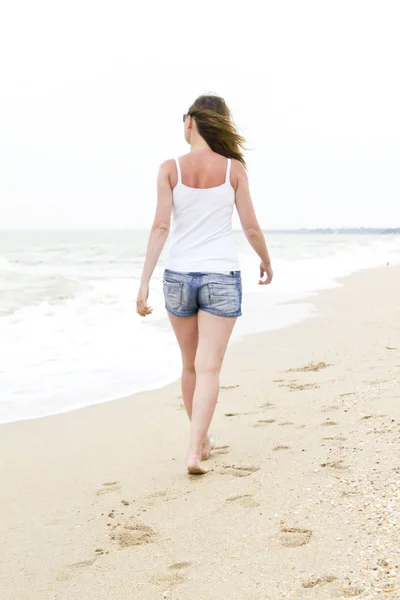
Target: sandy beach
x: 302, y: 500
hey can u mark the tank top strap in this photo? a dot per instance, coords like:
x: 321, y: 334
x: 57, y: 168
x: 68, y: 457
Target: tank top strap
x: 178, y: 168
x: 228, y: 170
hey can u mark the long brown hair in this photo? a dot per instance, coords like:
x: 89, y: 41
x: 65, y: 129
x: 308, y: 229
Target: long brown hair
x: 215, y: 124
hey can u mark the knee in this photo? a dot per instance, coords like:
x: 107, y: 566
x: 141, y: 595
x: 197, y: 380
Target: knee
x: 189, y: 367
x: 205, y: 367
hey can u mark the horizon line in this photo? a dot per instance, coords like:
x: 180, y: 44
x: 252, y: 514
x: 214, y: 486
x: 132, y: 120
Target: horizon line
x: 271, y: 230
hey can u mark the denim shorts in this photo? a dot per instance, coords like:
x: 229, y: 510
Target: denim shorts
x: 216, y: 293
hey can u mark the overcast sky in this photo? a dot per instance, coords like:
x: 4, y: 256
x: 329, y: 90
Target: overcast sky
x: 92, y: 95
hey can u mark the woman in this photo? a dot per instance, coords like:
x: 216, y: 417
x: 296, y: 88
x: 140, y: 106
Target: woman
x: 202, y: 282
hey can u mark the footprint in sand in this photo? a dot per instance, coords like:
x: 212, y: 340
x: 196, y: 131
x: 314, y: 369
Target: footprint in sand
x: 277, y: 448
x: 286, y: 423
x: 366, y: 417
x: 335, y: 464
x: 376, y: 431
x: 267, y: 405
x: 263, y: 422
x: 221, y: 450
x: 352, y: 592
x: 350, y: 493
x: 318, y: 581
x: 170, y: 580
x: 375, y: 381
x: 299, y: 387
x: 331, y: 408
x: 133, y: 535
x: 180, y: 565
x: 83, y: 563
x: 347, y: 394
x: 238, y: 471
x: 329, y: 423
x: 158, y: 494
x: 228, y: 387
x: 246, y: 500
x: 71, y: 570
x: 338, y: 438
x: 108, y: 487
x: 311, y: 367
x: 236, y: 414
x: 292, y: 537
x: 147, y: 502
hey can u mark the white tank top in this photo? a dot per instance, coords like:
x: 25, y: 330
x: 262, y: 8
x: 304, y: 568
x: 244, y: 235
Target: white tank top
x: 201, y: 233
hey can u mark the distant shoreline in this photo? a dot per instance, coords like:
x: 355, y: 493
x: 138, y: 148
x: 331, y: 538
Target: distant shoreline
x: 303, y: 230
x: 340, y: 231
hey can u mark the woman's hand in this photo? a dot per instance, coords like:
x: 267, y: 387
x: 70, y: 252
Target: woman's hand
x: 267, y: 272
x: 141, y: 303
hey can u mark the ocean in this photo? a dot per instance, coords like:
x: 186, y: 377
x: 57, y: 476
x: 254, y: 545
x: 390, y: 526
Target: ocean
x: 69, y: 333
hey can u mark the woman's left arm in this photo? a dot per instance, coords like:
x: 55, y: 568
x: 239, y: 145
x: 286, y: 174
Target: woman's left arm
x: 158, y: 236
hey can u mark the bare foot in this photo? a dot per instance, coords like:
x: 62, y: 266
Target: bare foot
x: 194, y: 466
x: 207, y: 446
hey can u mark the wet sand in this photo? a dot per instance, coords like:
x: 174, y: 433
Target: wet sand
x: 302, y: 499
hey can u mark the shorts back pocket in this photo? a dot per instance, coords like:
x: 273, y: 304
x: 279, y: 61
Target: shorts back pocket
x: 172, y: 294
x: 224, y: 297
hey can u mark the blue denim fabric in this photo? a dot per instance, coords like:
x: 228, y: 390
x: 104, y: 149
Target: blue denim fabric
x: 216, y: 293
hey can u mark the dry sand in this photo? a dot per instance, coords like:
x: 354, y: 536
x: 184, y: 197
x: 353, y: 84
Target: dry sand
x: 302, y: 500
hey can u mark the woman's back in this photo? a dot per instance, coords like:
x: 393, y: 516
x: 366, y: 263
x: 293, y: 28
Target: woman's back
x: 203, y: 201
x: 202, y: 169
x: 202, y: 281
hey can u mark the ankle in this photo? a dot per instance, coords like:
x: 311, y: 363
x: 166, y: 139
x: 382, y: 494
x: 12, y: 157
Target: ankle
x: 194, y: 453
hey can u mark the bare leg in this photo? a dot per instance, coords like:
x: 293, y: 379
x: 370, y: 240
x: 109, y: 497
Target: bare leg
x: 213, y: 337
x: 186, y: 331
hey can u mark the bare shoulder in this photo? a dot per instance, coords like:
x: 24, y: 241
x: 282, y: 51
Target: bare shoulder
x: 168, y: 166
x: 167, y: 171
x: 238, y: 173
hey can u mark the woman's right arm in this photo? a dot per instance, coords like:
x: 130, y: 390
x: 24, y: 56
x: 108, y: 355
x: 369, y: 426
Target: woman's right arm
x: 158, y: 236
x: 250, y: 225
